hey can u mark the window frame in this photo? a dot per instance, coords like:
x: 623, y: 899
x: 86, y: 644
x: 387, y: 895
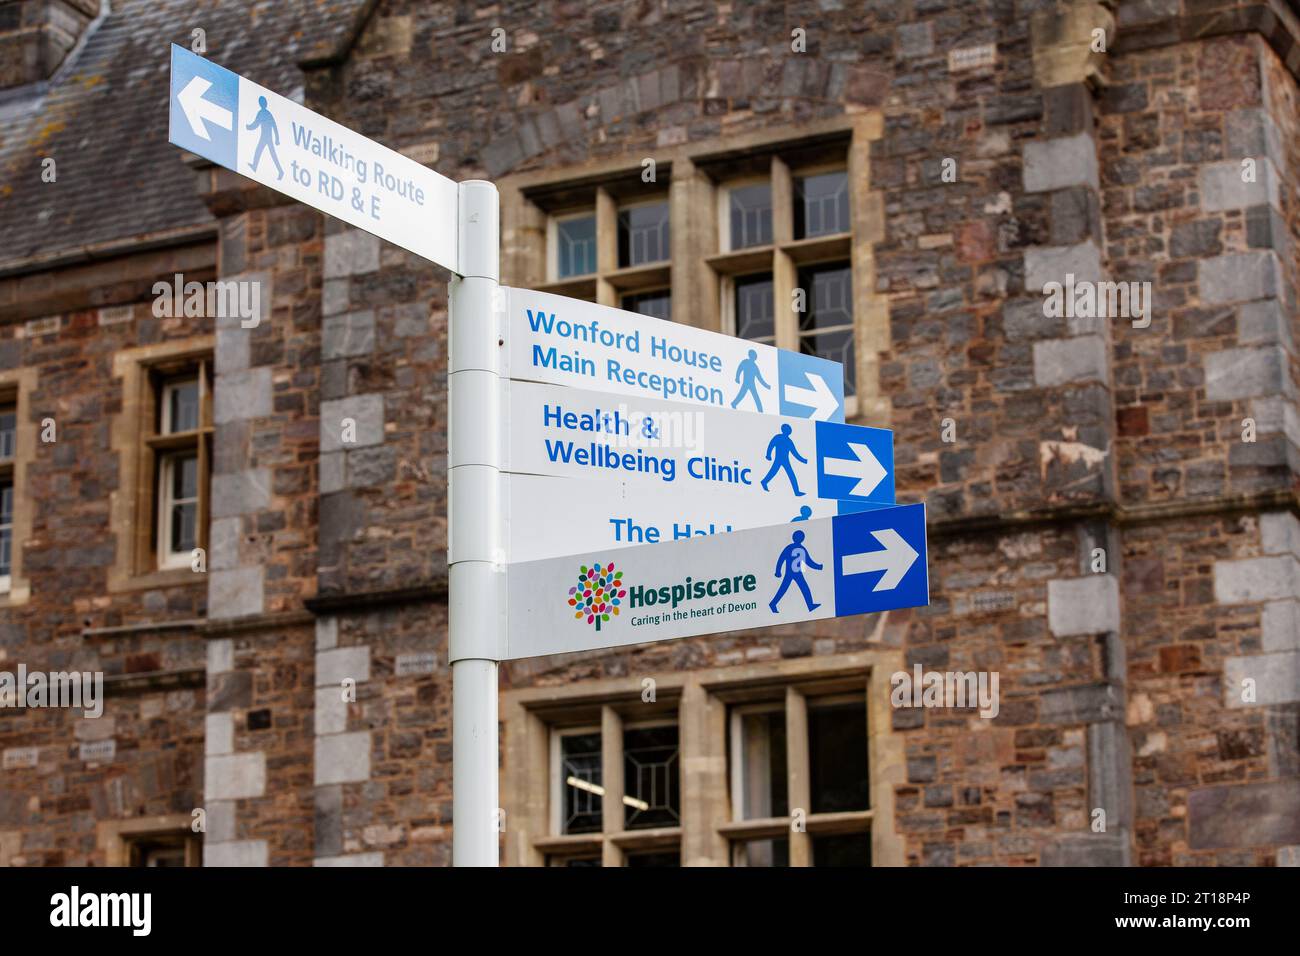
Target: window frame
x: 136, y: 437
x: 785, y: 256
x: 16, y: 387
x: 701, y: 702
x: 164, y: 510
x: 162, y: 448
x: 796, y: 704
x: 612, y: 842
x: 696, y: 173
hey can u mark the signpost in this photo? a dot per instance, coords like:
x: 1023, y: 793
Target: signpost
x: 828, y: 567
x: 707, y: 483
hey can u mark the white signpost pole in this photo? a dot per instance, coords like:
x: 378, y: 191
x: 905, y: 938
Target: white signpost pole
x: 475, y: 555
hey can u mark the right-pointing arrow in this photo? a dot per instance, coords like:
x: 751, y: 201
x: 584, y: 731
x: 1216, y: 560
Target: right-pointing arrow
x: 864, y: 466
x: 819, y: 398
x: 895, y: 560
x: 197, y: 109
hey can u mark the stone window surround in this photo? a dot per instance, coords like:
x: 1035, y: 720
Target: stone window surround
x: 700, y: 700
x: 697, y: 173
x: 16, y: 385
x: 114, y: 837
x: 131, y: 503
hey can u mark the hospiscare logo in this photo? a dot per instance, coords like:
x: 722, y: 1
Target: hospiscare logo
x: 601, y: 593
x: 598, y: 593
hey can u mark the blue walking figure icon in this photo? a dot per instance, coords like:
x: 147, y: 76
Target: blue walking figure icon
x: 748, y: 370
x: 791, y: 564
x: 266, y: 121
x: 779, y: 450
x: 804, y: 514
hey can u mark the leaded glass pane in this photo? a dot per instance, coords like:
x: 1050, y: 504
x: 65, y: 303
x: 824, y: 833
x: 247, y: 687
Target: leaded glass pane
x: 753, y: 303
x: 821, y: 205
x: 751, y: 215
x: 643, y: 234
x: 575, y: 253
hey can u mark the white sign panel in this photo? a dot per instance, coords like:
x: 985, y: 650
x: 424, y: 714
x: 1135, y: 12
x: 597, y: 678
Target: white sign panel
x: 827, y: 567
x: 272, y: 140
x: 768, y: 464
x: 569, y: 342
x: 549, y: 516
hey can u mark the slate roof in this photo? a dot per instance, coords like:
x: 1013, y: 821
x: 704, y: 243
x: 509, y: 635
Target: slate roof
x: 103, y: 117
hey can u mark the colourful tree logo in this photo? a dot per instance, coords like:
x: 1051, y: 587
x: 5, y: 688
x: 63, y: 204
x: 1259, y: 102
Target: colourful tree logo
x: 598, y: 593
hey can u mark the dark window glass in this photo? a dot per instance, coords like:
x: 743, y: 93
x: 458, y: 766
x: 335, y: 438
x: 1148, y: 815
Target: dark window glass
x: 837, y: 752
x: 842, y: 849
x: 575, y: 239
x: 185, y: 490
x: 576, y: 861
x: 658, y: 304
x: 6, y: 526
x: 765, y: 778
x: 829, y: 292
x: 184, y: 406
x: 754, y: 317
x: 771, y: 852
x: 657, y: 858
x: 751, y: 215
x: 836, y: 346
x: 643, y: 234
x: 8, y: 432
x: 826, y: 324
x: 651, y: 778
x: 821, y: 206
x: 580, y: 773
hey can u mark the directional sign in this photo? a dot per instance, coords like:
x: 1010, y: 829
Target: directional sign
x: 827, y: 567
x: 545, y: 517
x: 770, y: 465
x: 567, y: 341
x: 245, y: 127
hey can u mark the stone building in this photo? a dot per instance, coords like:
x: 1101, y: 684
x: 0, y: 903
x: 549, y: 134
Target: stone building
x: 1112, y: 493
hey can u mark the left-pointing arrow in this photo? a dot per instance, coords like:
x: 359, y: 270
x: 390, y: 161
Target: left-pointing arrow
x: 863, y: 466
x: 895, y: 560
x: 197, y: 109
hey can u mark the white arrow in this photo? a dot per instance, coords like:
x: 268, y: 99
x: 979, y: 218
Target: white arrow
x: 197, y: 109
x: 819, y: 398
x: 864, y: 466
x: 895, y: 560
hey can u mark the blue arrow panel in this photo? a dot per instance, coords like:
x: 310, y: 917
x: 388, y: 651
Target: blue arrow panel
x: 835, y: 442
x: 798, y: 371
x: 855, y: 534
x: 221, y: 147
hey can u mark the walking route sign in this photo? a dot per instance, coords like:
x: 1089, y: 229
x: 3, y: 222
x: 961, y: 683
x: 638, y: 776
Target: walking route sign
x: 570, y: 342
x: 827, y: 567
x: 245, y: 127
